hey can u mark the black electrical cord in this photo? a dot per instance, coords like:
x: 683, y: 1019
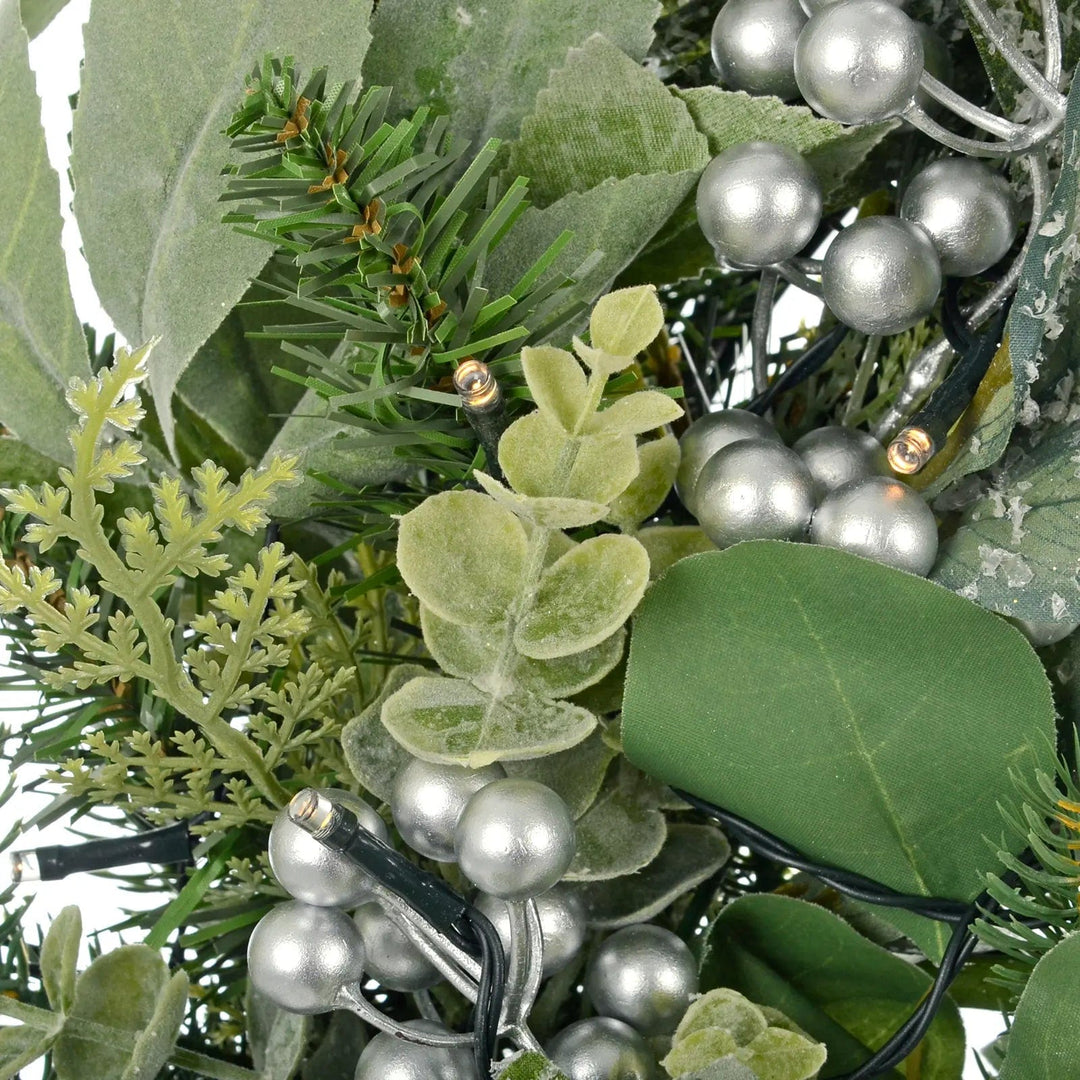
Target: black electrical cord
x: 812, y: 360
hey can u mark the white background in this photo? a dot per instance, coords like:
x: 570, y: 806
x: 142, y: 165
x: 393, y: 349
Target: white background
x: 55, y: 57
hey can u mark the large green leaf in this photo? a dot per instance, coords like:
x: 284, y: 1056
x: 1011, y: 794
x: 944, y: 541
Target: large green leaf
x: 41, y: 342
x: 845, y: 991
x: 148, y: 176
x: 1042, y: 1039
x: 37, y: 14
x: 603, y: 115
x: 483, y: 63
x: 868, y: 717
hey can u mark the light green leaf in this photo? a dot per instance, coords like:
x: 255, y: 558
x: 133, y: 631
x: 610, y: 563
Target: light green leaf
x: 690, y: 855
x: 37, y: 14
x: 886, y: 787
x: 584, y: 597
x: 160, y: 259
x: 727, y: 1068
x: 20, y: 1045
x: 667, y: 544
x: 547, y: 512
x: 277, y: 1038
x: 722, y: 1008
x: 440, y: 53
x: 463, y: 555
x: 527, y: 1066
x: 557, y: 383
x: 619, y: 835
x: 19, y: 464
x: 41, y: 342
x: 59, y: 956
x: 451, y: 721
x: 658, y: 462
x: 337, y: 1054
x: 636, y: 414
x: 576, y: 774
x: 1042, y: 1039
x: 157, y: 1039
x: 777, y: 1054
x: 540, y: 460
x: 698, y: 1050
x: 624, y: 323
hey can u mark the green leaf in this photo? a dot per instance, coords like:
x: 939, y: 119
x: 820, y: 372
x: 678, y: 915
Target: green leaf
x: 160, y: 260
x: 527, y: 1066
x: 41, y: 342
x: 463, y: 555
x: 576, y: 774
x: 619, y: 835
x: 19, y: 464
x: 722, y: 1008
x: 667, y: 544
x: 777, y: 1054
x: 603, y: 115
x: 900, y: 710
x: 277, y: 1038
x: 20, y: 1045
x: 584, y: 597
x: 828, y: 979
x: 59, y: 956
x: 449, y: 720
x: 157, y: 1039
x: 699, y: 1050
x: 545, y: 511
x: 728, y: 1068
x: 624, y: 323
x: 658, y: 462
x: 1042, y: 1039
x: 337, y: 1054
x: 556, y: 382
x: 37, y: 14
x: 690, y: 855
x: 636, y: 414
x: 440, y: 53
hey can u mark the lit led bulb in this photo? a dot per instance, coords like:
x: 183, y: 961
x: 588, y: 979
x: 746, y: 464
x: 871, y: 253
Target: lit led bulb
x: 910, y: 451
x: 476, y: 385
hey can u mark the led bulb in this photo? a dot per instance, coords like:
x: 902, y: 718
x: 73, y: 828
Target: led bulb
x: 476, y: 385
x: 24, y: 866
x: 910, y: 451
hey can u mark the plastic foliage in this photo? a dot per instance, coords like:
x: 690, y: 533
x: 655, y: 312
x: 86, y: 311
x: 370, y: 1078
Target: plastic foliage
x: 517, y: 614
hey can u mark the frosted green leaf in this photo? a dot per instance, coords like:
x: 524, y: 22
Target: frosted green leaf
x: 626, y: 322
x: 698, y: 1049
x: 538, y: 459
x: 722, y: 1008
x: 557, y: 383
x: 37, y: 14
x: 725, y: 1068
x: 41, y: 342
x: 160, y: 259
x: 156, y: 1041
x: 20, y: 1045
x: 526, y: 1066
x: 463, y: 555
x: 667, y: 544
x: 777, y: 1054
x: 658, y: 462
x: 584, y: 597
x: 336, y: 1055
x: 576, y: 774
x: 619, y: 835
x: 452, y: 721
x: 59, y: 955
x: 485, y: 656
x: 545, y: 511
x: 603, y: 115
x: 277, y: 1038
x: 636, y: 414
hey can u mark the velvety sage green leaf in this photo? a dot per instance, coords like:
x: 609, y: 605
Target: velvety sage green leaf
x: 59, y: 956
x: 20, y: 464
x: 437, y: 554
x: 619, y: 835
x: 20, y: 1045
x: 538, y: 459
x: 556, y: 382
x: 777, y: 1054
x: 156, y: 1041
x: 636, y: 414
x: 584, y: 597
x: 160, y: 259
x: 336, y: 1056
x: 1015, y: 548
x: 484, y: 63
x: 37, y: 14
x: 723, y: 1008
x: 527, y: 1066
x: 810, y: 964
x: 603, y: 115
x: 900, y: 711
x: 667, y: 544
x: 1042, y: 1039
x: 277, y: 1038
x: 658, y: 462
x: 373, y: 755
x: 698, y: 1050
x: 576, y: 774
x: 690, y: 855
x: 485, y: 656
x: 624, y: 323
x: 120, y: 990
x: 41, y: 342
x: 452, y: 721
x: 727, y: 1068
x: 547, y: 512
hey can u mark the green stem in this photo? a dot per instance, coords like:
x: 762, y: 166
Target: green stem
x: 213, y: 1068
x: 31, y: 1015
x: 862, y: 379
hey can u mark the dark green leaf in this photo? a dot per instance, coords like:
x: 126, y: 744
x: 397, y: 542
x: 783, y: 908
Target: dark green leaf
x: 37, y: 14
x: 337, y: 1053
x: 277, y: 1038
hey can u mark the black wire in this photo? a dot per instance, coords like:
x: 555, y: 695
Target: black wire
x: 812, y: 360
x: 489, y: 995
x: 957, y: 331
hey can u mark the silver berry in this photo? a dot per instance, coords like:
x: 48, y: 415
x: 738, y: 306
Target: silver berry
x: 881, y: 519
x: 753, y: 45
x: 427, y: 802
x: 758, y: 203
x: 599, y: 1049
x: 859, y: 61
x: 755, y: 489
x: 515, y: 838
x: 562, y: 924
x: 811, y: 7
x: 310, y: 871
x: 967, y: 209
x: 387, y: 1057
x: 881, y: 275
x: 835, y: 455
x: 645, y: 976
x: 392, y: 960
x: 711, y: 433
x: 300, y: 955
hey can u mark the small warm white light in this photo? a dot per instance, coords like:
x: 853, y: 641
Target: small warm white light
x: 910, y: 451
x: 24, y: 866
x: 311, y: 811
x: 477, y: 386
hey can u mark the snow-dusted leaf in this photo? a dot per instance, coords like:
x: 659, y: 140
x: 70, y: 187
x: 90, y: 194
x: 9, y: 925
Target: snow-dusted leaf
x: 658, y: 462
x: 698, y: 1050
x: 277, y: 1039
x: 619, y: 835
x: 637, y: 413
x: 545, y: 511
x: 722, y: 1008
x: 624, y: 323
x: 59, y: 955
x: 556, y: 381
x: 778, y: 1054
x: 667, y: 544
x: 576, y: 774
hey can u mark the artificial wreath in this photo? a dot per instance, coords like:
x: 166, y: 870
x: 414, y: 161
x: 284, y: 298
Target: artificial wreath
x: 513, y: 658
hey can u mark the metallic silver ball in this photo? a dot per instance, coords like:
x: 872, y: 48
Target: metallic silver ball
x: 835, y: 455
x: 562, y: 923
x: 391, y: 958
x: 755, y: 489
x: 967, y: 209
x: 601, y: 1049
x: 758, y: 203
x: 753, y: 45
x: 389, y: 1058
x: 881, y: 519
x: 314, y: 873
x: 859, y: 61
x: 881, y: 275
x: 1041, y: 634
x: 645, y: 976
x: 427, y: 802
x: 300, y: 955
x: 515, y: 838
x: 709, y: 434
x: 811, y: 7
